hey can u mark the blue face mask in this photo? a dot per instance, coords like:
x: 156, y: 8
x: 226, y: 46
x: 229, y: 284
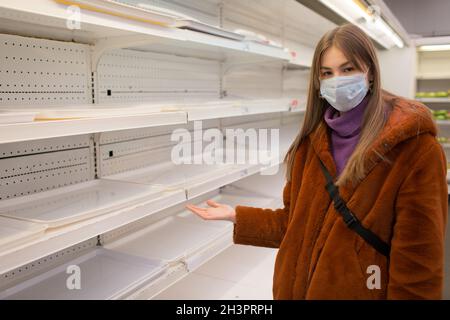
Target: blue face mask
x: 344, y: 92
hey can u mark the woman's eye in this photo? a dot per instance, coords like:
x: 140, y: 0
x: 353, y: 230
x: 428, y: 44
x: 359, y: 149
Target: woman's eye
x: 326, y: 74
x: 349, y: 69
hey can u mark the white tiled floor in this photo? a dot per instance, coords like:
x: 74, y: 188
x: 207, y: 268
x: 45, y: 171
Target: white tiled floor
x: 239, y: 272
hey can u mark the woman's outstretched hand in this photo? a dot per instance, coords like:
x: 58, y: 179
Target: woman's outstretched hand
x: 216, y: 211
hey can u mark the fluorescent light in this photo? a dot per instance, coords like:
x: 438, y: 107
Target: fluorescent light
x: 382, y: 25
x: 372, y: 25
x: 348, y: 10
x: 435, y: 47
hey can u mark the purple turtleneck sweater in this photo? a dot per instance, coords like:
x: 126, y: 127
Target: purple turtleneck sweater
x: 345, y: 131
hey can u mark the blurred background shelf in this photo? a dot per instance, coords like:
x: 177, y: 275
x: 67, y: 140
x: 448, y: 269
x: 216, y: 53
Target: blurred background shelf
x: 434, y: 100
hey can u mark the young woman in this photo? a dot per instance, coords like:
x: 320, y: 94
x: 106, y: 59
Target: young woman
x: 382, y: 153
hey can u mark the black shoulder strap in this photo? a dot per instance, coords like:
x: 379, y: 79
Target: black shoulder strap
x: 350, y: 219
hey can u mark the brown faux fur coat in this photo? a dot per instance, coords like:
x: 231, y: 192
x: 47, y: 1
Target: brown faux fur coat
x: 404, y: 202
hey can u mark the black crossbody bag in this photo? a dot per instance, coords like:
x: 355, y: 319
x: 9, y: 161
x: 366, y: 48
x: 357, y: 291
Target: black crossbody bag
x: 350, y: 219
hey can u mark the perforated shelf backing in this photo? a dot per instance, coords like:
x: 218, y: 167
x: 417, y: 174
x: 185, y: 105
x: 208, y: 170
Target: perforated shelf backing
x: 31, y: 167
x: 133, y: 76
x: 43, y: 72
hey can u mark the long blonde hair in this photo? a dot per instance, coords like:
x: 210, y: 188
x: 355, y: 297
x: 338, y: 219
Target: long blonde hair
x: 360, y: 51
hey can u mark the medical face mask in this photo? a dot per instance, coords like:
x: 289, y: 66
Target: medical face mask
x: 344, y: 92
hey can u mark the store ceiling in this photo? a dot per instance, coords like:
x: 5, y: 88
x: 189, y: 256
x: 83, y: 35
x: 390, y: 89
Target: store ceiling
x: 422, y: 18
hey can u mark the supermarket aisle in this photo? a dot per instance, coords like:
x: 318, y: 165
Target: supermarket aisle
x: 239, y: 272
x: 245, y: 272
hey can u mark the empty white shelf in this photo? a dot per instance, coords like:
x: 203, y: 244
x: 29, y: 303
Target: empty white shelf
x: 185, y: 236
x: 206, y: 28
x: 187, y: 22
x: 70, y: 204
x: 266, y: 105
x: 238, y: 272
x: 56, y: 239
x: 15, y: 232
x: 434, y: 100
x: 231, y: 108
x: 196, y: 179
x: 173, y: 239
x: 200, y: 287
x: 96, y: 110
x: 213, y: 109
x: 68, y: 127
x: 12, y: 116
x: 230, y: 198
x: 194, y: 110
x: 234, y: 197
x: 104, y: 274
x: 50, y: 122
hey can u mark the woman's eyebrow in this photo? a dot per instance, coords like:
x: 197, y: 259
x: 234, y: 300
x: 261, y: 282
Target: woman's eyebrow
x: 342, y: 65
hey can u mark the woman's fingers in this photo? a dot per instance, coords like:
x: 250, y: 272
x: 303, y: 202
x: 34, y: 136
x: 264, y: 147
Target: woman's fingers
x: 213, y: 204
x: 200, y: 211
x: 191, y: 206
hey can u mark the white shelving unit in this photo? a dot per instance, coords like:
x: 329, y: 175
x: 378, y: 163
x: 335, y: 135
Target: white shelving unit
x: 443, y: 122
x: 433, y: 76
x: 436, y: 76
x: 55, y: 240
x: 95, y: 27
x: 137, y: 247
x: 68, y: 126
x: 85, y: 123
